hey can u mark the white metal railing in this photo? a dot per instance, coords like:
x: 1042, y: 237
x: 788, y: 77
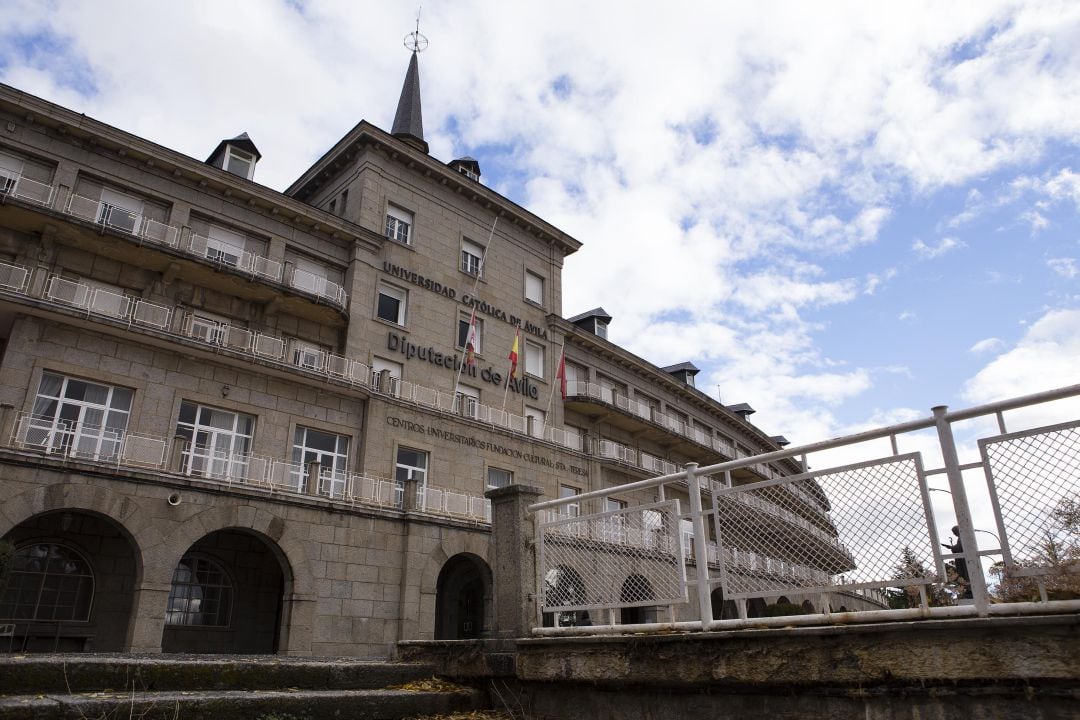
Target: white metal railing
x: 884, y: 547
x: 318, y: 285
x: 24, y: 188
x: 452, y: 503
x: 143, y: 315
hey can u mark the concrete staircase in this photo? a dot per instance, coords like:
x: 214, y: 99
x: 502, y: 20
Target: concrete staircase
x: 170, y: 687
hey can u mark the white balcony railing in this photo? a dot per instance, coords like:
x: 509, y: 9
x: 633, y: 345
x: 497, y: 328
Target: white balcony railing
x: 26, y: 189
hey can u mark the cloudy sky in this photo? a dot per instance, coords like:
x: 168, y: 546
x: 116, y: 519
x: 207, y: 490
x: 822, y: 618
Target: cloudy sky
x: 844, y: 213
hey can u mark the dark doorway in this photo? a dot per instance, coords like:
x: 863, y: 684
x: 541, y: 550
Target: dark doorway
x: 462, y: 592
x: 71, y: 584
x: 635, y: 589
x: 563, y: 586
x: 723, y: 609
x: 226, y: 596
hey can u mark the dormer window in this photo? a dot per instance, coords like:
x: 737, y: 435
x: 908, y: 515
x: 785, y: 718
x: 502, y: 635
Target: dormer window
x: 468, y: 173
x: 239, y: 162
x: 600, y: 328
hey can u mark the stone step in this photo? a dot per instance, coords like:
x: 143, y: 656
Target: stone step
x: 56, y: 674
x: 240, y: 705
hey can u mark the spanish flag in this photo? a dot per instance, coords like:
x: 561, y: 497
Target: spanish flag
x: 471, y: 341
x: 514, y: 355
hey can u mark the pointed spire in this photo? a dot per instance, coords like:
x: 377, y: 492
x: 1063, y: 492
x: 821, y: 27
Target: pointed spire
x: 408, y: 121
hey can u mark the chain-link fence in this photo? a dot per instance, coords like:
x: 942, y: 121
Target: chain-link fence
x: 860, y: 539
x: 630, y: 559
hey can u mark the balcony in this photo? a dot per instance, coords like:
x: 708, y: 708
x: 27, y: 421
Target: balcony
x: 648, y: 422
x: 153, y: 233
x: 118, y: 449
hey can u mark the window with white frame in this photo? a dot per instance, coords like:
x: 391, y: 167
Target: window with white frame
x: 77, y: 417
x: 207, y: 327
x: 386, y: 375
x: 497, y: 478
x: 472, y: 257
x: 411, y: 465
x: 47, y: 581
x: 463, y: 333
x: 601, y: 329
x: 534, y: 359
x: 609, y: 389
x: 239, y: 162
x: 201, y: 593
x: 307, y: 354
x: 225, y: 246
x: 218, y: 440
x: 119, y: 210
x: 399, y: 223
x: 328, y: 449
x: 538, y: 418
x: 569, y: 509
x: 391, y: 303
x: 308, y: 275
x: 534, y: 287
x: 468, y: 400
x: 576, y: 378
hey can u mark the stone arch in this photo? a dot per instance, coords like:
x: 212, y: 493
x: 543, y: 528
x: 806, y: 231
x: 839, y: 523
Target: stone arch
x: 299, y: 593
x: 420, y: 623
x: 755, y: 607
x: 564, y: 585
x: 227, y: 595
x: 808, y: 607
x: 463, y: 598
x: 637, y: 590
x: 722, y: 609
x: 113, y: 563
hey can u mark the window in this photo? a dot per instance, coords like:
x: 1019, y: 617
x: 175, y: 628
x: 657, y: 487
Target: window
x: 468, y: 400
x: 219, y: 440
x: 47, y: 581
x: 537, y: 417
x: 330, y: 450
x: 207, y: 327
x: 411, y: 465
x: 610, y: 390
x: 225, y: 246
x: 534, y: 288
x: 463, y: 333
x: 308, y: 275
x: 78, y: 418
x: 390, y: 305
x: 611, y: 504
x: 120, y: 211
x: 386, y: 376
x: 308, y: 355
x: 601, y: 328
x: 10, y: 170
x: 472, y: 257
x: 497, y: 478
x: 570, y: 509
x: 201, y: 594
x: 577, y: 378
x: 344, y: 202
x: 534, y: 359
x: 239, y: 162
x: 399, y: 224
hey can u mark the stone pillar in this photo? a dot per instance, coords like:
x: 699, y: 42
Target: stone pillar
x: 148, y: 613
x: 514, y: 555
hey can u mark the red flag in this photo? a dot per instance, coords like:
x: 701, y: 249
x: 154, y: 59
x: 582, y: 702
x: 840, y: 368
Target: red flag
x: 514, y: 354
x: 561, y: 373
x: 471, y: 342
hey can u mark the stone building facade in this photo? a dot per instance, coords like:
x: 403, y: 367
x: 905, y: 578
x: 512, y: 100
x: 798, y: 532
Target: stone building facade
x: 240, y: 420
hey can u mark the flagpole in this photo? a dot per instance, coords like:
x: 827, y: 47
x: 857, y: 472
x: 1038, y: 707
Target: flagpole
x: 513, y: 364
x: 551, y: 397
x: 472, y: 317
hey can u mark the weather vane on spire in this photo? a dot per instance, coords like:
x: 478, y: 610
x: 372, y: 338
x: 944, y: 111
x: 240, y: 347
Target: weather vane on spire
x: 415, y: 41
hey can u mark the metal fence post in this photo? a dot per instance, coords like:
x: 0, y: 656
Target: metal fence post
x: 701, y: 553
x: 962, y: 510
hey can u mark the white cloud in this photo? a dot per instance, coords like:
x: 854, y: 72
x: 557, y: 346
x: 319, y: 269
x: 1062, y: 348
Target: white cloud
x: 987, y: 345
x: 1045, y: 358
x: 1066, y: 267
x: 930, y: 252
x: 907, y: 316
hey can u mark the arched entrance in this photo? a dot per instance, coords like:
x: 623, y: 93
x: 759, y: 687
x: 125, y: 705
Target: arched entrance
x: 635, y: 589
x: 755, y: 608
x: 71, y: 584
x: 462, y: 597
x: 723, y: 609
x: 564, y: 586
x: 226, y: 596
